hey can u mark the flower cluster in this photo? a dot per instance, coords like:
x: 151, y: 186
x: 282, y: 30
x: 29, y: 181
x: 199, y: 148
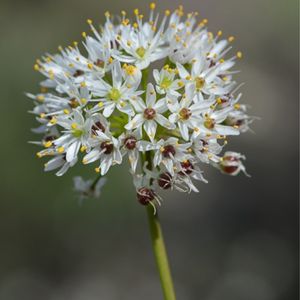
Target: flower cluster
x: 105, y: 101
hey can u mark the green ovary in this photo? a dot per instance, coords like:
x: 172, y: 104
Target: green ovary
x: 165, y: 83
x: 77, y: 133
x: 141, y: 51
x: 114, y: 94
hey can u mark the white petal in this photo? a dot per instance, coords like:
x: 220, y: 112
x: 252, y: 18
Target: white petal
x: 72, y: 151
x: 108, y: 110
x: 136, y: 122
x: 164, y: 122
x: 183, y: 130
x: 150, y: 128
x: 150, y: 96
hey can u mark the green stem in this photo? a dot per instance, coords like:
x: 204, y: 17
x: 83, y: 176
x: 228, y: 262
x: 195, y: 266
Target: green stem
x: 160, y: 255
x: 159, y: 247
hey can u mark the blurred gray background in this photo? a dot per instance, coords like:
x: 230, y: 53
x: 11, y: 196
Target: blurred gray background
x: 235, y: 240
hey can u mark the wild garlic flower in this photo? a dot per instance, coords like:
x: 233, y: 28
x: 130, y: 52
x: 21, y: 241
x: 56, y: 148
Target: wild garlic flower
x: 103, y: 102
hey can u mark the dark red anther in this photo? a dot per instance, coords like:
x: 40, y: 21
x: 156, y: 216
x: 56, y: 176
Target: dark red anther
x: 168, y: 150
x: 108, y: 147
x: 165, y: 180
x: 187, y: 167
x: 145, y: 195
x: 130, y: 142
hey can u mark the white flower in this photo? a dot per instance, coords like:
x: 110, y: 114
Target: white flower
x: 165, y: 82
x: 206, y: 79
x: 169, y: 152
x: 115, y: 95
x: 212, y: 123
x: 231, y: 163
x: 105, y: 148
x: 149, y: 114
x: 185, y: 113
x: 141, y: 43
x: 88, y: 188
x: 76, y: 134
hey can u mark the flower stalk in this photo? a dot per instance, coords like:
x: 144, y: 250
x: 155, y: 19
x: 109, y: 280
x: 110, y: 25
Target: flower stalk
x: 160, y: 254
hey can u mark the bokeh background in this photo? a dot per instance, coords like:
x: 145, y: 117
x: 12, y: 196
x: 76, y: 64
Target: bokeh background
x: 235, y: 240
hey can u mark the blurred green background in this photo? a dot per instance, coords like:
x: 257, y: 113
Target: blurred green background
x: 235, y: 240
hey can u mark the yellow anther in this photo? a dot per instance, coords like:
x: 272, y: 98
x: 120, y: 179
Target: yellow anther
x: 190, y: 150
x: 44, y: 89
x: 239, y: 54
x: 83, y: 148
x: 231, y: 39
x: 180, y: 83
x: 42, y: 115
x: 205, y: 21
x: 40, y: 98
x: 152, y: 5
x: 83, y: 84
x: 153, y: 28
x: 107, y: 14
x: 236, y: 126
x: 188, y: 77
x: 128, y: 85
x: 125, y: 22
x: 129, y: 43
x: 110, y: 60
x: 221, y: 60
x: 141, y: 17
x: 84, y: 161
x: 161, y: 149
x: 167, y: 12
x: 39, y: 154
x: 100, y: 104
x: 71, y: 65
x: 237, y: 106
x: 83, y: 34
x: 219, y: 100
x: 89, y: 21
x: 225, y: 78
x: 75, y: 43
x: 130, y: 70
x: 97, y: 170
x: 60, y: 149
x: 48, y: 144
x: 66, y: 111
x: 53, y: 121
x: 135, y: 25
x: 123, y: 13
x: 83, y: 100
x: 90, y: 66
x: 36, y: 67
x: 60, y: 48
x: 74, y: 125
x: 219, y: 33
x: 196, y: 129
x: 136, y: 12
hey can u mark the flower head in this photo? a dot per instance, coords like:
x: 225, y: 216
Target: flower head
x: 103, y: 101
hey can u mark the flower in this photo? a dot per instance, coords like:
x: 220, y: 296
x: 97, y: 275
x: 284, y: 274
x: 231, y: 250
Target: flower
x: 158, y: 91
x: 88, y: 188
x: 149, y: 114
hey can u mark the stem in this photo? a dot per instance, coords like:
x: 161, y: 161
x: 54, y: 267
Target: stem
x: 160, y: 255
x: 159, y: 247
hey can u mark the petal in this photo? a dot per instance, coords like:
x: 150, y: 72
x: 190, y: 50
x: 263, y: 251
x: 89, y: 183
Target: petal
x: 183, y: 130
x: 91, y: 156
x: 108, y: 110
x: 150, y: 96
x: 226, y: 130
x: 72, y: 151
x: 164, y: 122
x: 161, y: 106
x: 182, y: 71
x: 136, y: 122
x: 150, y: 128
